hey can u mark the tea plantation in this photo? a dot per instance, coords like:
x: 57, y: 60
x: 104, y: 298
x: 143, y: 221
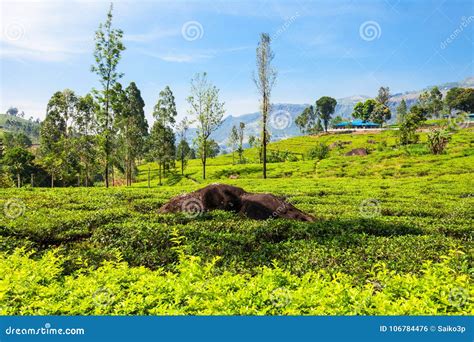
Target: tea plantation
x: 393, y: 235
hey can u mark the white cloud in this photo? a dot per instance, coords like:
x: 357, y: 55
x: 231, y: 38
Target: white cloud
x: 48, y: 30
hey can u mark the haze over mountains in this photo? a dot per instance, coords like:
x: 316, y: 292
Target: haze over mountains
x: 285, y: 113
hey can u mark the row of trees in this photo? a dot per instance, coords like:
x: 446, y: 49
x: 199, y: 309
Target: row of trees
x: 88, y: 138
x: 316, y: 119
x: 431, y: 104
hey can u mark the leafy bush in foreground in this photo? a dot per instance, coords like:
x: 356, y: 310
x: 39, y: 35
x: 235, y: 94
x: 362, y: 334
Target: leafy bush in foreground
x: 36, y: 287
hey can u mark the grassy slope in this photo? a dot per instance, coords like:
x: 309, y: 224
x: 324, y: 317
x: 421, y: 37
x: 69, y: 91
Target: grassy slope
x: 386, y: 160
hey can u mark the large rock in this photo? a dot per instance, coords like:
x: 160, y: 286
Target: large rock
x: 232, y: 198
x: 357, y: 152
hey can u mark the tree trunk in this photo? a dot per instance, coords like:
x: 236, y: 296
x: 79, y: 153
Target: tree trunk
x: 148, y: 176
x: 159, y: 171
x: 52, y: 181
x: 203, y: 159
x: 107, y: 135
x: 32, y: 180
x: 18, y: 179
x: 106, y: 161
x: 264, y: 140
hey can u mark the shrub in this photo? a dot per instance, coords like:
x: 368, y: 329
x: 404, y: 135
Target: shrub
x: 319, y: 152
x: 438, y: 140
x: 36, y: 287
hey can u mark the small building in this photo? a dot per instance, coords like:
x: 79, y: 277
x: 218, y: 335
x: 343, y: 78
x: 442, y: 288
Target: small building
x: 357, y: 123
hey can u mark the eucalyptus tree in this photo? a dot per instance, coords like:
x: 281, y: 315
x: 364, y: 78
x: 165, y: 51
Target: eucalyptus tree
x: 163, y: 148
x: 265, y: 80
x: 208, y: 111
x: 107, y: 54
x: 183, y: 150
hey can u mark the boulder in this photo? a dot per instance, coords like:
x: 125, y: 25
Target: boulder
x: 232, y: 198
x: 357, y: 152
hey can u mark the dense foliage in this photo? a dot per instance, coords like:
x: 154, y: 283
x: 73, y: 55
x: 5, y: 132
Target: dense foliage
x: 403, y: 208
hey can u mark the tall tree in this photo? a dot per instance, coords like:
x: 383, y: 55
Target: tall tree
x: 163, y: 137
x: 183, y: 150
x: 56, y: 135
x: 380, y: 114
x: 461, y: 99
x: 436, y: 102
x: 241, y: 132
x: 208, y: 110
x: 402, y: 111
x: 107, y: 54
x: 410, y: 123
x: 306, y: 120
x: 383, y: 95
x: 431, y: 101
x: 86, y: 140
x: 265, y: 80
x: 19, y: 161
x: 132, y: 127
x: 325, y: 108
x: 363, y: 110
x: 233, y: 141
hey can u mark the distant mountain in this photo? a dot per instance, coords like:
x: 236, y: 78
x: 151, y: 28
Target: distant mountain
x: 282, y: 117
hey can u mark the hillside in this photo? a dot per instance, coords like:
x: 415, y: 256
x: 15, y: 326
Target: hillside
x: 288, y: 113
x: 15, y: 124
x: 386, y: 159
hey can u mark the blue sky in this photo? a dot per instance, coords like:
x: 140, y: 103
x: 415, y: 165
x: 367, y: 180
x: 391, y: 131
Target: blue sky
x: 335, y: 48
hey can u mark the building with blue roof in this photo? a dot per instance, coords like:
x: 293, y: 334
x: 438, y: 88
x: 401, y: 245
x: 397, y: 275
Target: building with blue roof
x: 357, y: 123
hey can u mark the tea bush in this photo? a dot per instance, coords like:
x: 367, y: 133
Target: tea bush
x: 402, y: 208
x: 36, y: 287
